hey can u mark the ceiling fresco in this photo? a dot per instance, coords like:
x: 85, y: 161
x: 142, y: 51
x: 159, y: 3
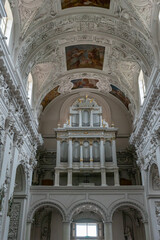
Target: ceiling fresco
x: 83, y: 3
x: 50, y: 96
x: 84, y: 83
x: 85, y: 56
x: 120, y: 95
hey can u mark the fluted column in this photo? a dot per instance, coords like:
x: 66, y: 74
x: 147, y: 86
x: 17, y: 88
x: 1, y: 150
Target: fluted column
x: 70, y: 120
x: 101, y: 125
x: 58, y: 160
x: 91, y: 119
x: 108, y: 231
x: 116, y: 177
x: 91, y: 154
x: 81, y: 154
x: 69, y: 180
x: 80, y: 118
x: 102, y: 160
x: 70, y: 153
x: 158, y: 154
x: 114, y: 155
x: 56, y: 182
x: 103, y: 177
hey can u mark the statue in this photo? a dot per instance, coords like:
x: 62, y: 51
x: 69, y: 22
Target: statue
x: 127, y: 234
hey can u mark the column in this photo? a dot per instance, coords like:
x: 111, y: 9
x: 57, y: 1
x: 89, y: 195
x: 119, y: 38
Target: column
x: 108, y: 231
x: 91, y: 119
x: 103, y: 177
x: 28, y: 231
x: 80, y: 118
x: 158, y: 155
x: 102, y: 160
x: 58, y: 160
x: 101, y: 125
x: 147, y: 232
x: 66, y: 230
x: 70, y: 120
x: 70, y: 153
x: 56, y: 182
x: 114, y: 155
x: 69, y: 179
x: 91, y: 154
x: 116, y: 177
x: 81, y: 154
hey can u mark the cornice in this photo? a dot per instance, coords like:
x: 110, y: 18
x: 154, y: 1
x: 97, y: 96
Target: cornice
x: 147, y: 110
x: 80, y: 24
x: 16, y: 88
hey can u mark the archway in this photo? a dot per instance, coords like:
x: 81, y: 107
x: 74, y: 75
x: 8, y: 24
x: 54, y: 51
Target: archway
x: 47, y: 224
x: 127, y: 224
x: 17, y: 206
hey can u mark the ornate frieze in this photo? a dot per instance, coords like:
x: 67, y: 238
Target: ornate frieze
x: 14, y: 221
x: 78, y: 23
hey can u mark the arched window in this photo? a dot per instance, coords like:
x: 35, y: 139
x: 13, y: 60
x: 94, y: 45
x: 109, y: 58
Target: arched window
x: 86, y: 153
x: 6, y: 22
x: 142, y: 88
x: 108, y: 151
x: 96, y: 120
x: 85, y: 118
x: 75, y: 120
x: 76, y: 151
x: 64, y: 151
x: 96, y: 153
x: 29, y: 88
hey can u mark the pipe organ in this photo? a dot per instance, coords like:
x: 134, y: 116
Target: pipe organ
x: 86, y: 148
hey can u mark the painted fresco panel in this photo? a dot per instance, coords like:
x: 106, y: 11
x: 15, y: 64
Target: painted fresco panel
x: 84, y: 3
x: 120, y: 95
x: 50, y: 96
x: 85, y: 56
x: 84, y: 83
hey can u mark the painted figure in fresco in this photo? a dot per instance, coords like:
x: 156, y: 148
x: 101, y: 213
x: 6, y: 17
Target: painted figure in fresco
x: 85, y: 56
x: 94, y: 3
x: 84, y: 83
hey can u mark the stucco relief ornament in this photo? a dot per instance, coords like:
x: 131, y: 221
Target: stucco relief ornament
x: 65, y: 87
x: 156, y: 182
x: 157, y: 210
x: 104, y: 86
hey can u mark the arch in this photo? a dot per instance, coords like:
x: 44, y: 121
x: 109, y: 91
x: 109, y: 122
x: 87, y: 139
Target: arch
x: 142, y: 87
x: 41, y: 204
x: 87, y: 206
x: 131, y: 204
x: 20, y: 180
x: 153, y: 178
x: 106, y: 112
x: 7, y: 22
x: 29, y: 88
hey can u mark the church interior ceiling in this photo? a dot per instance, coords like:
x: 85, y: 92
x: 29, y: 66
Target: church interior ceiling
x: 88, y: 44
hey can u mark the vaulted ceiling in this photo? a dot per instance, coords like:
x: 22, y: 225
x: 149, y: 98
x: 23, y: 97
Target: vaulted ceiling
x: 59, y: 41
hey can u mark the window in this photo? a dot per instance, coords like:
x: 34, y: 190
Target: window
x: 142, y: 89
x: 6, y: 22
x: 29, y: 88
x: 86, y: 230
